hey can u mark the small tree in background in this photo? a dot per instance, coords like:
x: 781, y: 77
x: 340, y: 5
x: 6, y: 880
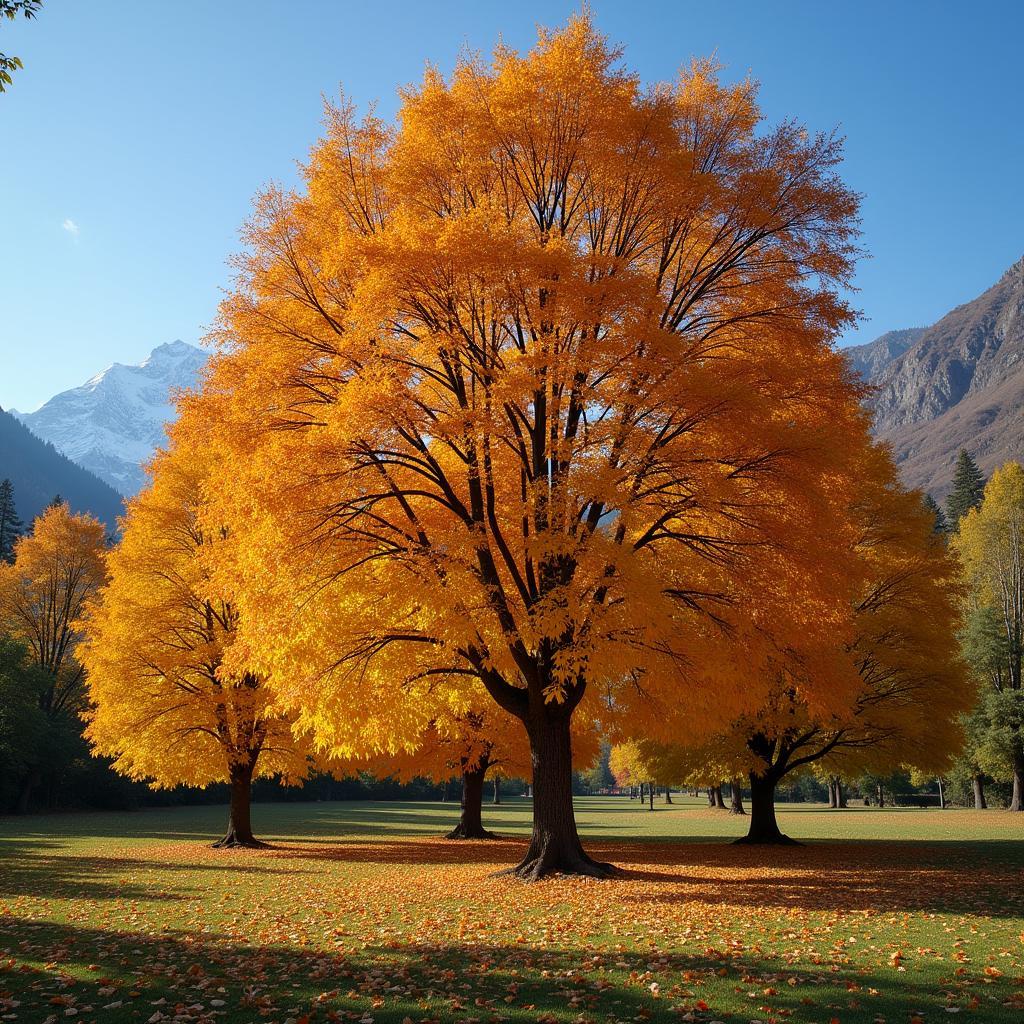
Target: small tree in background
x: 912, y: 688
x: 941, y: 525
x: 465, y: 743
x: 991, y: 548
x: 11, y: 527
x: 56, y: 570
x: 162, y: 703
x: 968, y: 490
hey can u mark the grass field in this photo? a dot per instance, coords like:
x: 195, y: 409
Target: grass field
x: 359, y: 912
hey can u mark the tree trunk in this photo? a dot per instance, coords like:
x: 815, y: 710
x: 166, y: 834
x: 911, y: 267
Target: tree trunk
x: 980, y: 803
x: 497, y: 789
x: 668, y: 795
x: 650, y: 795
x: 881, y: 795
x: 840, y: 794
x: 1017, y: 801
x: 239, y: 831
x: 736, y: 797
x: 942, y: 796
x: 833, y: 800
x: 470, y: 824
x: 25, y: 796
x: 555, y: 844
x: 711, y: 798
x: 717, y: 800
x: 764, y: 829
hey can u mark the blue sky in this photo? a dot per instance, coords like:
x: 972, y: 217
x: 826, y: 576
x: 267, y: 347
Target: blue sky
x: 132, y: 143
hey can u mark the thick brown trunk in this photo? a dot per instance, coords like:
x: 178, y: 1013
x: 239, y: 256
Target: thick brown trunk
x: 555, y: 844
x: 840, y: 794
x: 715, y: 798
x: 668, y: 795
x: 239, y: 831
x: 497, y: 789
x: 880, y: 793
x: 980, y: 804
x: 736, y: 797
x: 650, y: 795
x: 833, y: 800
x: 764, y: 829
x: 470, y: 824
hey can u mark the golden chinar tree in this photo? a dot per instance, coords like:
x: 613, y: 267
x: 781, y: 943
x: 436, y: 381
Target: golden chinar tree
x: 534, y: 392
x: 161, y: 701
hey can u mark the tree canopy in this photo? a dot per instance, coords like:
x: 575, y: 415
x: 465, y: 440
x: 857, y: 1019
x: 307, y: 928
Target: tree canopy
x: 533, y: 392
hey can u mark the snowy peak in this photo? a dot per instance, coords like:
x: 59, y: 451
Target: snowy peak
x: 112, y: 423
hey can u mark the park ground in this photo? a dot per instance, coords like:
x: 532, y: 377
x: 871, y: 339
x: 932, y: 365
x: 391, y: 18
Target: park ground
x: 360, y: 912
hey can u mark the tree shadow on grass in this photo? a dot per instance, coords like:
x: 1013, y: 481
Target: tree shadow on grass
x: 127, y: 974
x: 982, y: 878
x: 29, y: 872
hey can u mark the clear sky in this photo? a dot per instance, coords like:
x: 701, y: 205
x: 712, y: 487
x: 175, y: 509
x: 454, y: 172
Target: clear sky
x: 134, y: 139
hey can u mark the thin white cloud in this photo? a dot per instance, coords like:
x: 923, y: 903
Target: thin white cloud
x: 70, y: 227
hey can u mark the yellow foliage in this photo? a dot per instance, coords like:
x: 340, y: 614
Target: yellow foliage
x: 56, y: 570
x: 162, y: 702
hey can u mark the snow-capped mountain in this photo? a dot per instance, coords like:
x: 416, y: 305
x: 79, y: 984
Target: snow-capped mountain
x: 113, y: 422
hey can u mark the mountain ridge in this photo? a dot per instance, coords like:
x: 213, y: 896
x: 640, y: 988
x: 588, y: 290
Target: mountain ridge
x: 112, y: 424
x: 959, y: 384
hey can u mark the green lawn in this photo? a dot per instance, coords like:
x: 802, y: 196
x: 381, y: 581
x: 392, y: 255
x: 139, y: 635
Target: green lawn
x: 361, y: 912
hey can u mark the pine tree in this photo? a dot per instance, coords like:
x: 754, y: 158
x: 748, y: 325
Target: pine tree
x: 11, y: 527
x: 941, y: 524
x: 968, y: 490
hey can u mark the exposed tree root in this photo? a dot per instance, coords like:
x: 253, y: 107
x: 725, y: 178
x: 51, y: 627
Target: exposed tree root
x: 461, y: 832
x: 233, y: 842
x: 777, y: 840
x: 535, y: 866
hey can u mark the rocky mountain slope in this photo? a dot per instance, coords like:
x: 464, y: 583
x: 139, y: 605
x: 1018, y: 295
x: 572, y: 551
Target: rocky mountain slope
x: 112, y: 423
x: 871, y: 359
x: 959, y: 384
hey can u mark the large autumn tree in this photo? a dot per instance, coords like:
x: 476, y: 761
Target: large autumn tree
x: 991, y: 548
x: 533, y: 391
x: 161, y: 703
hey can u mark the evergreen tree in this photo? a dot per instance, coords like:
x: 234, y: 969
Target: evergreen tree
x: 968, y: 490
x: 11, y: 527
x: 941, y: 525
